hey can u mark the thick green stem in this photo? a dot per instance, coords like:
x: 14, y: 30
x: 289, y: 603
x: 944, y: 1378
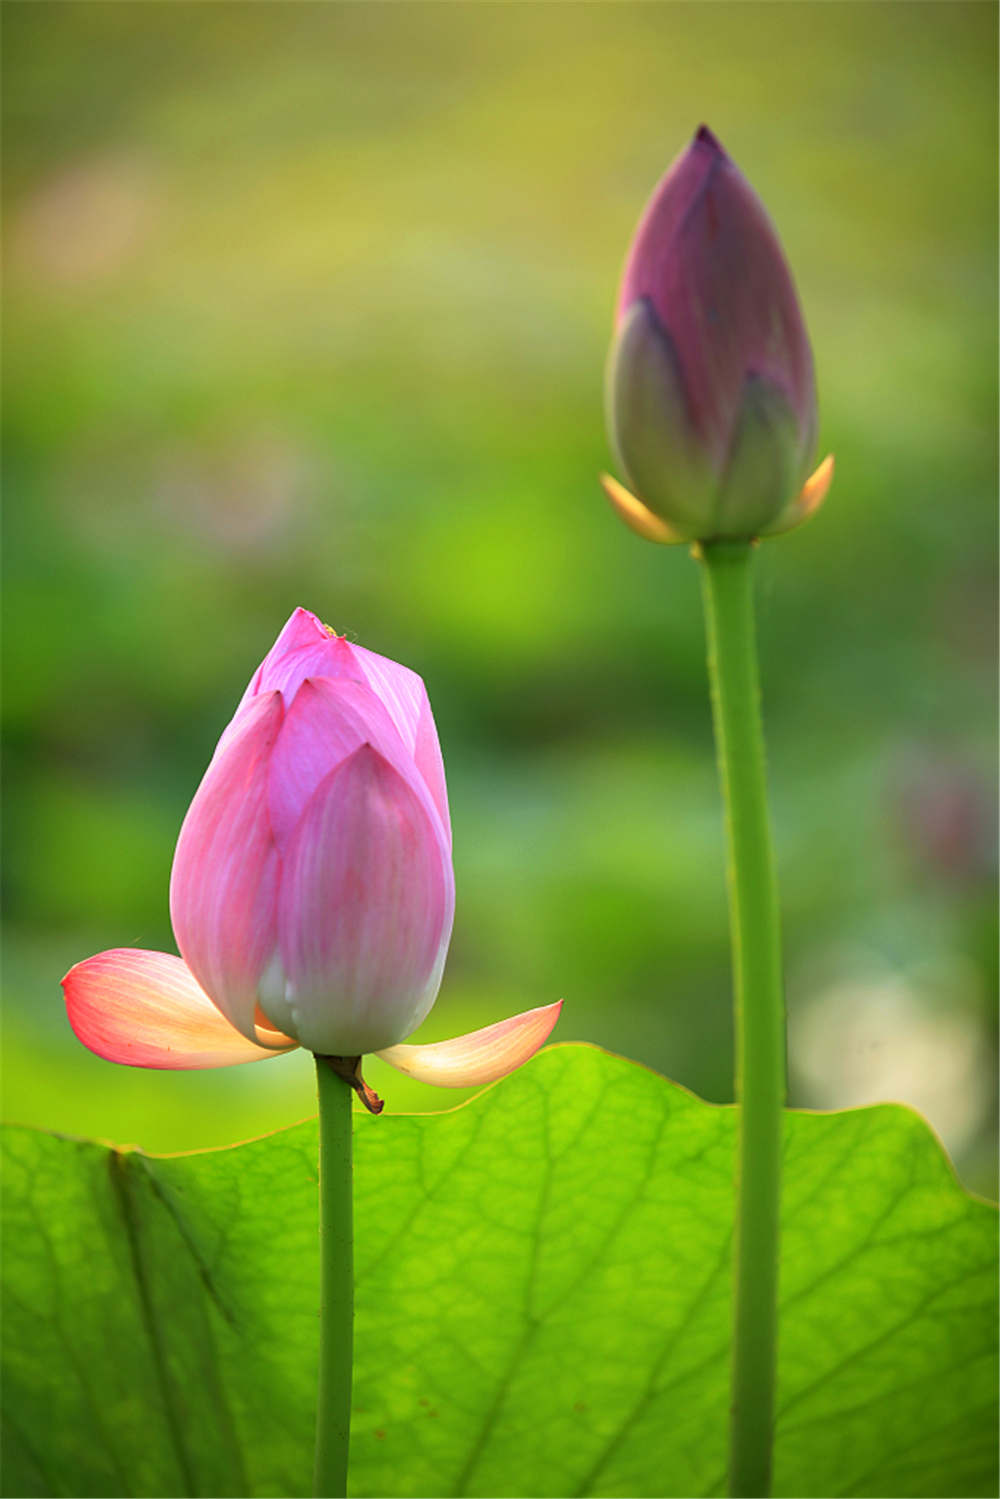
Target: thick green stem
x: 759, y: 1008
x: 336, y: 1240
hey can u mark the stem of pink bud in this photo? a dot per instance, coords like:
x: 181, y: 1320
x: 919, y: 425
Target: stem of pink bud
x: 336, y: 1242
x: 759, y: 1008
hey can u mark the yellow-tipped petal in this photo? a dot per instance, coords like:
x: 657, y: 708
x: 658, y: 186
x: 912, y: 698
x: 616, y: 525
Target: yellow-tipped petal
x: 146, y: 1009
x: 814, y: 490
x: 637, y: 517
x: 807, y: 501
x: 480, y: 1057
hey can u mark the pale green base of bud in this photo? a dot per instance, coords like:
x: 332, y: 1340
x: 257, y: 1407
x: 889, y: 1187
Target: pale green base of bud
x: 640, y: 519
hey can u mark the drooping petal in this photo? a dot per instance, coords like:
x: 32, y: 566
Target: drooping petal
x: 328, y: 720
x: 145, y: 1009
x: 480, y: 1057
x: 365, y: 910
x: 224, y: 882
x: 635, y: 515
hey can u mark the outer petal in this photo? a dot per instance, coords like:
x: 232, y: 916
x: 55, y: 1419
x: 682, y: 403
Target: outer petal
x: 651, y: 427
x: 666, y: 210
x: 428, y: 760
x: 764, y: 466
x: 365, y: 910
x: 224, y: 883
x: 481, y: 1056
x: 733, y: 307
x: 806, y: 502
x: 145, y: 1009
x: 635, y: 515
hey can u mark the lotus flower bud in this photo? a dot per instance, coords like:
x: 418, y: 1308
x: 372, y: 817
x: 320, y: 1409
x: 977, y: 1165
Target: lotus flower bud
x: 711, y: 396
x: 312, y: 891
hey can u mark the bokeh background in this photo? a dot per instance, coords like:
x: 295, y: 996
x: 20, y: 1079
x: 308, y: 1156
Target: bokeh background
x: 309, y: 303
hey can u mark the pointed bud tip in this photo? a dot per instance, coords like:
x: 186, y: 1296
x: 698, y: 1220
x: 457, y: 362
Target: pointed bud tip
x: 704, y: 137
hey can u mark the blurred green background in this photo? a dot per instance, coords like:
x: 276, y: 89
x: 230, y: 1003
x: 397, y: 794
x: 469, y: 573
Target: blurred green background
x: 310, y: 304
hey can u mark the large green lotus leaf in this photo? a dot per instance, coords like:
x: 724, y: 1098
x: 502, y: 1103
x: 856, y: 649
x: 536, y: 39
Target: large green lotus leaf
x: 543, y: 1304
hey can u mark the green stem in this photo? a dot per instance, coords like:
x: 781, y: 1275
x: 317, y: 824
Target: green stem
x: 759, y: 1008
x: 336, y: 1240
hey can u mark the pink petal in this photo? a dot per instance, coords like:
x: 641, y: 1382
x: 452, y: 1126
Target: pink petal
x: 481, y: 1056
x: 405, y: 696
x: 333, y: 656
x: 365, y: 909
x: 428, y: 759
x: 328, y: 720
x: 224, y: 882
x: 308, y: 649
x: 305, y: 648
x: 400, y: 689
x: 302, y: 632
x: 145, y: 1009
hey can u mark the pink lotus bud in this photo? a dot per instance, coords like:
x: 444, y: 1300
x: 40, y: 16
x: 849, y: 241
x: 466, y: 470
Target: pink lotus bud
x: 711, y: 397
x: 312, y: 880
x: 312, y: 891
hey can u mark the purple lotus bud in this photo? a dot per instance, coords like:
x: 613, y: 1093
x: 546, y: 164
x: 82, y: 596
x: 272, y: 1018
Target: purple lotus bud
x: 711, y: 396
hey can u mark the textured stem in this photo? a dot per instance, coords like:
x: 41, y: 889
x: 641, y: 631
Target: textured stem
x: 759, y: 1008
x: 336, y: 1239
